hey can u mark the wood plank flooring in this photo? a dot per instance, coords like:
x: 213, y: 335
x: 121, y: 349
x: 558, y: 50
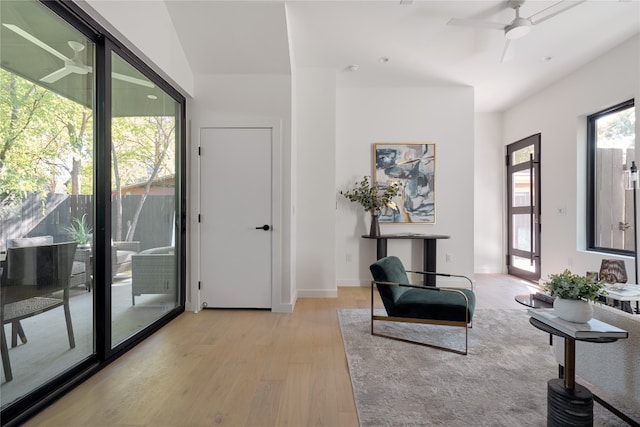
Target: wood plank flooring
x: 239, y: 368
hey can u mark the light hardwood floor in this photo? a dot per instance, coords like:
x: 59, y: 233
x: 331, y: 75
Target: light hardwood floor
x: 239, y: 368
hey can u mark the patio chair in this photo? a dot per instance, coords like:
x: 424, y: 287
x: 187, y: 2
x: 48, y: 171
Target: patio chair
x: 81, y: 271
x: 121, y: 253
x: 408, y: 303
x: 30, y: 275
x: 153, y: 272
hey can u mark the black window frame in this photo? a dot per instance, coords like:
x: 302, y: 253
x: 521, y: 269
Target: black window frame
x: 591, y: 178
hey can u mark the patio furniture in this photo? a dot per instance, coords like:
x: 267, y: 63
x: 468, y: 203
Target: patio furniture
x: 30, y: 275
x: 153, y: 272
x: 121, y: 253
x: 80, y: 272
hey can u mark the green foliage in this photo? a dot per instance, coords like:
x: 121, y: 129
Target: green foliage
x: 573, y: 286
x: 80, y: 230
x: 40, y: 133
x: 372, y: 197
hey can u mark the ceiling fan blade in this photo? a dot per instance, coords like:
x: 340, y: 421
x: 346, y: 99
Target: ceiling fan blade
x: 536, y: 18
x: 35, y: 41
x: 509, y: 51
x: 56, y: 75
x: 133, y: 80
x: 461, y: 22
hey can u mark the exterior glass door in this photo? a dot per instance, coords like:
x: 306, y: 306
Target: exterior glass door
x: 523, y: 184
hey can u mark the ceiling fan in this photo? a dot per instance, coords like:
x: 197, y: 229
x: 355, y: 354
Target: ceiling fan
x: 71, y: 65
x: 519, y: 26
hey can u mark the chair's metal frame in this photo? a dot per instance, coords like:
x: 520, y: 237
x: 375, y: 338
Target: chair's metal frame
x: 463, y: 324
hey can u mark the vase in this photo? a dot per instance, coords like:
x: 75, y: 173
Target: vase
x: 374, y: 231
x: 573, y: 310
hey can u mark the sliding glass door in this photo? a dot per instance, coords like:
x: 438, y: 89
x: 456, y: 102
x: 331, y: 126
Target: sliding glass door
x: 144, y: 138
x: 46, y: 197
x: 91, y: 200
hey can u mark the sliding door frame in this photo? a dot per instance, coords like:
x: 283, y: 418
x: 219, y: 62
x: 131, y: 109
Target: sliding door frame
x: 105, y: 44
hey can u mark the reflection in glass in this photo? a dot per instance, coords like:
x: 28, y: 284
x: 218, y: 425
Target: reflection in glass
x: 143, y: 175
x: 46, y: 197
x: 522, y: 187
x: 523, y: 263
x: 615, y: 142
x: 522, y: 232
x: 522, y: 155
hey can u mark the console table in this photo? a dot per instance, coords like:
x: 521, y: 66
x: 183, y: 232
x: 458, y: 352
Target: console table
x: 428, y: 253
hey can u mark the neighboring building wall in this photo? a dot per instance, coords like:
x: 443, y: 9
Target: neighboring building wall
x: 559, y: 114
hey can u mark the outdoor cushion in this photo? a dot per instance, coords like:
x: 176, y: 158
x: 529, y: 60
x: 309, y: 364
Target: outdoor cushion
x: 24, y: 242
x: 124, y: 256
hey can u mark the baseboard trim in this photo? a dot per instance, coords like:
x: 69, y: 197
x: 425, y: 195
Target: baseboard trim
x: 317, y: 293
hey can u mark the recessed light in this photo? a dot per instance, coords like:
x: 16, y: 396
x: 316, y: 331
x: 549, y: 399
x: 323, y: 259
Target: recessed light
x: 152, y: 97
x: 383, y: 59
x: 546, y: 58
x: 352, y: 68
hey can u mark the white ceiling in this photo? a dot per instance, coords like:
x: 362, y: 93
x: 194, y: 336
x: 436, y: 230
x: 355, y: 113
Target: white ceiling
x: 256, y: 37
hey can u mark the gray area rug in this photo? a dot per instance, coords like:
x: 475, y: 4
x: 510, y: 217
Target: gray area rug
x: 501, y: 382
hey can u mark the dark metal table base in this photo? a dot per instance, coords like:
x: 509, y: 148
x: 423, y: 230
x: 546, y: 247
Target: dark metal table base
x: 568, y: 407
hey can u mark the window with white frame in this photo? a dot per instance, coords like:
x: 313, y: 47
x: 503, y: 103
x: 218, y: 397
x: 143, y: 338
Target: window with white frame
x: 611, y: 151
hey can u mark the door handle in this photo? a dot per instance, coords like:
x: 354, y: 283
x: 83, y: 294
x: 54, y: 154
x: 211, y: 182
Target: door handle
x: 264, y: 227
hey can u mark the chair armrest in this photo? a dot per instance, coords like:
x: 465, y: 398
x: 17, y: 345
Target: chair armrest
x: 433, y: 273
x: 127, y: 246
x: 405, y: 285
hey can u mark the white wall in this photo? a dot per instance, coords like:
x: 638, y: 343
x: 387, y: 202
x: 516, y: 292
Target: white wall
x: 146, y: 28
x: 559, y: 114
x: 489, y: 187
x: 248, y: 100
x: 315, y: 95
x: 443, y: 115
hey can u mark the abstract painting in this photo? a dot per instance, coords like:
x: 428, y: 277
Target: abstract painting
x: 413, y: 167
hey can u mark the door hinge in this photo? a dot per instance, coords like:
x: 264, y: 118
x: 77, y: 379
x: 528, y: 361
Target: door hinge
x: 506, y: 160
x: 507, y: 260
x: 199, y: 284
x: 199, y: 218
x: 199, y: 151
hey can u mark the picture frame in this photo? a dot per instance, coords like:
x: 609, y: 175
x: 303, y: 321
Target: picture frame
x: 413, y: 166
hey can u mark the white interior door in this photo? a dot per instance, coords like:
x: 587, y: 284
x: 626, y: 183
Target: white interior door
x: 235, y: 186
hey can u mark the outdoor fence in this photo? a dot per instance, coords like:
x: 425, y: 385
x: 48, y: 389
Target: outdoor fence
x: 52, y: 214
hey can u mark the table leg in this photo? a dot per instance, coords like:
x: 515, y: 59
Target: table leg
x: 381, y: 248
x: 569, y: 363
x: 429, y: 261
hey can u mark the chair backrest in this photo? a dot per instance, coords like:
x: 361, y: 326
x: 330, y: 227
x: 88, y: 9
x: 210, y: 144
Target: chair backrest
x: 31, y: 271
x: 389, y: 269
x: 23, y: 242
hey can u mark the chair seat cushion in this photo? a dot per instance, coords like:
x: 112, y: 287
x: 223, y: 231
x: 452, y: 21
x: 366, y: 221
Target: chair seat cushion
x: 124, y: 256
x: 77, y: 268
x: 434, y: 304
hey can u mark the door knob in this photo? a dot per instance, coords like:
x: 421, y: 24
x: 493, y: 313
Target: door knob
x: 264, y: 227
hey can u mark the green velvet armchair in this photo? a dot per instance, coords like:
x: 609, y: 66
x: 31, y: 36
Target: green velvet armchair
x: 409, y: 303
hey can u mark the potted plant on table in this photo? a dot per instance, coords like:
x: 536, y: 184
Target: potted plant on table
x: 573, y: 293
x: 80, y: 231
x: 373, y: 198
